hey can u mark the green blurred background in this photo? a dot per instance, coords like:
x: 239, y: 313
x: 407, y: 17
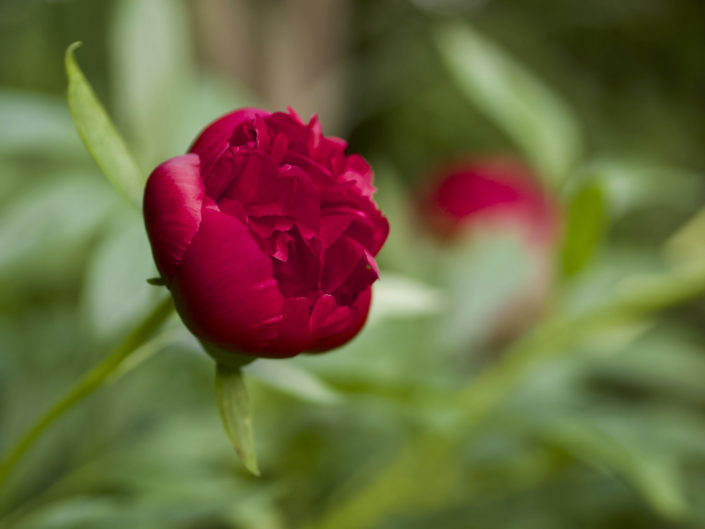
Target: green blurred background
x: 604, y: 99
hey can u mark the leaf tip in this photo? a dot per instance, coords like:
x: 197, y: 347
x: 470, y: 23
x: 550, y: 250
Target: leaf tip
x: 71, y: 49
x: 250, y: 463
x: 234, y: 409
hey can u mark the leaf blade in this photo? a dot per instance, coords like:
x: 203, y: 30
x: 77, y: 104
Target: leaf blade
x: 585, y: 228
x: 512, y: 97
x: 99, y: 135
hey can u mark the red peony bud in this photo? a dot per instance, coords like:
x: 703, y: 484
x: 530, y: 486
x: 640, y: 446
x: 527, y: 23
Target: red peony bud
x: 266, y: 233
x: 499, y: 192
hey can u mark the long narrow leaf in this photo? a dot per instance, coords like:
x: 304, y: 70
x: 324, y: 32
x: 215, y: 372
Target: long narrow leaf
x: 513, y: 98
x: 99, y: 135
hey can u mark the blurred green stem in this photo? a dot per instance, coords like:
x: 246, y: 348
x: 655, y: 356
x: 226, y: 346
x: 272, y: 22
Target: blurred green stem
x: 86, y: 385
x: 419, y: 468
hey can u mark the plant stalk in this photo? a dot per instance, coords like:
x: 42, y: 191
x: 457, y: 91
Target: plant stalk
x: 86, y: 385
x: 400, y: 483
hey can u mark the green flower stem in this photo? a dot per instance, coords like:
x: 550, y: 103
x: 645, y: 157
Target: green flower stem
x: 86, y: 385
x: 419, y: 467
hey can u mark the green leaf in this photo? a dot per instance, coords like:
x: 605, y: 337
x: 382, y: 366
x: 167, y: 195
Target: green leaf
x: 234, y: 408
x: 514, y: 99
x: 620, y: 449
x: 629, y: 184
x: 668, y: 362
x: 585, y: 227
x: 99, y: 135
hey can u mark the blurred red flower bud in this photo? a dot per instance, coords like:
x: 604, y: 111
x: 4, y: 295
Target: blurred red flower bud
x: 499, y: 193
x: 265, y: 234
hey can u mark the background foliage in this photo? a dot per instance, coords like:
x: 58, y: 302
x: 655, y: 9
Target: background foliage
x: 603, y: 98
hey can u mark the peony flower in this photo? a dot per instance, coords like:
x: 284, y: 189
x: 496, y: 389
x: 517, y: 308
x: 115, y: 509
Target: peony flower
x: 500, y: 194
x: 265, y: 234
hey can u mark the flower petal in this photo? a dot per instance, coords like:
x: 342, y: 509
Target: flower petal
x: 290, y: 125
x: 359, y: 171
x: 367, y: 225
x: 224, y: 288
x: 348, y: 268
x: 173, y: 200
x: 364, y: 224
x: 339, y: 324
x: 294, y: 336
x: 222, y: 129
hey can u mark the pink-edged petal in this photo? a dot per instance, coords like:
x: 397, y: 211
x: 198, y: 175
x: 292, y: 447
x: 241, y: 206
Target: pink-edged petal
x: 222, y: 129
x: 341, y: 323
x: 357, y: 170
x: 173, y: 200
x: 224, y: 288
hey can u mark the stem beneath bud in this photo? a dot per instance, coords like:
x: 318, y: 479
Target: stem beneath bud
x: 86, y: 385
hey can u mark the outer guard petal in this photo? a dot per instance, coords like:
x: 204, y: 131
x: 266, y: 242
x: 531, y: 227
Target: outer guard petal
x: 173, y: 200
x: 225, y: 290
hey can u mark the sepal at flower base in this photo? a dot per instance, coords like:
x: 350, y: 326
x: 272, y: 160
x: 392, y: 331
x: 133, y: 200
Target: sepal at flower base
x: 234, y: 408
